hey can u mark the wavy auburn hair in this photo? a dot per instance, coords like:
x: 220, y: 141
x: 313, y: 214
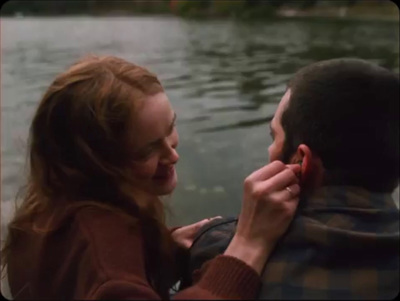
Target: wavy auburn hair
x: 79, y: 151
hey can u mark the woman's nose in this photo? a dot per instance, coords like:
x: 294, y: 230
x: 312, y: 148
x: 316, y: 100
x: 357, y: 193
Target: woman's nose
x: 170, y: 155
x: 174, y: 157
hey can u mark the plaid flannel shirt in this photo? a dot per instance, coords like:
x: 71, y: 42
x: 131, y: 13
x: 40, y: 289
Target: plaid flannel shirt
x: 343, y: 243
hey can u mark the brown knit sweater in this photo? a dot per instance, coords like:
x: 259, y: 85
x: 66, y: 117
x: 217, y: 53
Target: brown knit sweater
x: 96, y: 255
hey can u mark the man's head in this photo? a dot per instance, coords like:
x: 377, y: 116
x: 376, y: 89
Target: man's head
x: 340, y: 118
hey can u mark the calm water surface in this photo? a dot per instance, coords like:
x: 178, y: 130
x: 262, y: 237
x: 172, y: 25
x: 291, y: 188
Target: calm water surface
x: 224, y: 80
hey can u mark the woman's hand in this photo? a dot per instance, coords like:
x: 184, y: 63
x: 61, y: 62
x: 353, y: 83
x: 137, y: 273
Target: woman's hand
x: 269, y: 202
x: 184, y: 236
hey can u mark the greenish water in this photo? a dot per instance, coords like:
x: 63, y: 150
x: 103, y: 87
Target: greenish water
x: 224, y: 79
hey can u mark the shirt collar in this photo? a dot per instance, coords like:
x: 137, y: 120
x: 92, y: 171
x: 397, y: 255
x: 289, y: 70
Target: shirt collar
x: 348, y: 196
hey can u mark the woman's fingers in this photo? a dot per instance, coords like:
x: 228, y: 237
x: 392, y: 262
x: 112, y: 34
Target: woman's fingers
x: 266, y: 172
x: 293, y: 190
x: 270, y: 170
x: 201, y: 223
x: 278, y: 182
x: 296, y: 168
x: 286, y: 194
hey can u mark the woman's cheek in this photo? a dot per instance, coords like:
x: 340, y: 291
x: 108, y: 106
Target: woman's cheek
x: 145, y: 169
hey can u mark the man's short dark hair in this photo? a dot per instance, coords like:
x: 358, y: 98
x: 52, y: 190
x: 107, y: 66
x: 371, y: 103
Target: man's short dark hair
x: 347, y: 111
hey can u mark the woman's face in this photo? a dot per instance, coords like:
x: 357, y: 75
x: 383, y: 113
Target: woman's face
x: 155, y: 139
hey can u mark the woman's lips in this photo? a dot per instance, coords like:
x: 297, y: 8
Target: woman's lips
x: 164, y: 174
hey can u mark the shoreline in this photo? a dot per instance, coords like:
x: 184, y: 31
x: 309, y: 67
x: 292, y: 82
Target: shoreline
x: 366, y: 10
x: 278, y: 17
x: 362, y: 13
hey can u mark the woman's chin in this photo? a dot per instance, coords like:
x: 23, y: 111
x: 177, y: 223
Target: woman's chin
x: 166, y: 186
x: 166, y: 189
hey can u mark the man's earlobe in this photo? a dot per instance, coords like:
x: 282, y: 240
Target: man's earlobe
x: 300, y: 162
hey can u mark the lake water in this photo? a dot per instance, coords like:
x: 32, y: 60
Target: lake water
x: 224, y: 79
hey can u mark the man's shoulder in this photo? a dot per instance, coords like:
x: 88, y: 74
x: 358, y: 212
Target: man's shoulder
x: 319, y: 250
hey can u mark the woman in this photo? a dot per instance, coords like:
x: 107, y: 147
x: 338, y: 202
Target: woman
x: 102, y: 149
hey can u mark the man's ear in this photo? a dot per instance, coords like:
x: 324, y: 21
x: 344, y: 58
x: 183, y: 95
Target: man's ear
x: 312, y: 169
x: 306, y: 160
x: 304, y: 157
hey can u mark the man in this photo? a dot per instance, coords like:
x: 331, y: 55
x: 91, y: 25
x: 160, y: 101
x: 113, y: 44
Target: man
x: 339, y: 119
